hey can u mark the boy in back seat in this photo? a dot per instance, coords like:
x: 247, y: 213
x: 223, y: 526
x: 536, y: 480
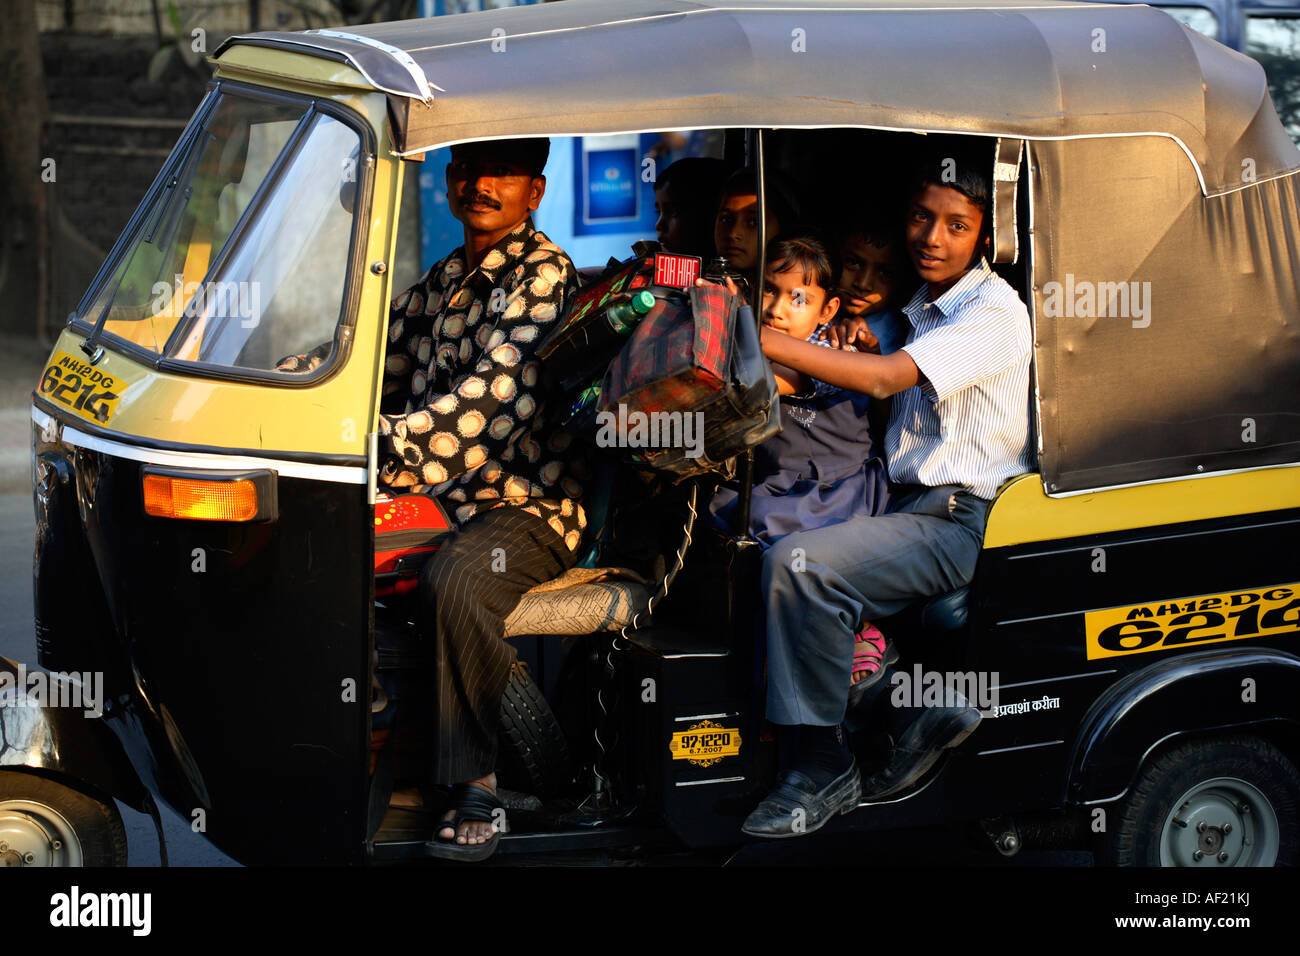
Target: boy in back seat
x: 959, y: 427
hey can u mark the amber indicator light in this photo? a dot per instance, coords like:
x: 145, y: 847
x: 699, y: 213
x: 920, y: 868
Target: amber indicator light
x: 169, y: 497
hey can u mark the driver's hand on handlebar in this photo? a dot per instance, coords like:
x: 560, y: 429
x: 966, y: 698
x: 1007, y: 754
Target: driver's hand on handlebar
x: 852, y: 331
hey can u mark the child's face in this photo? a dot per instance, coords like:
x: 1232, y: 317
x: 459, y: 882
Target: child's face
x: 735, y: 231
x: 869, y: 276
x: 943, y: 231
x: 794, y: 305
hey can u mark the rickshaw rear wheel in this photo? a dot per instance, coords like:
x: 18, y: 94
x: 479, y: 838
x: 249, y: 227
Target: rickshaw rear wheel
x: 1210, y: 803
x: 45, y: 823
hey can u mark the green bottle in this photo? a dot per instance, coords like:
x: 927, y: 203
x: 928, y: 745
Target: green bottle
x: 627, y: 310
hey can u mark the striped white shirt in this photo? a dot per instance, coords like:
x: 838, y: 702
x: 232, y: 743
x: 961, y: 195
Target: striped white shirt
x: 967, y: 423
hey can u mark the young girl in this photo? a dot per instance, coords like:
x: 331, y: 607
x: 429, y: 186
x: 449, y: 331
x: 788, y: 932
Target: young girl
x: 824, y: 466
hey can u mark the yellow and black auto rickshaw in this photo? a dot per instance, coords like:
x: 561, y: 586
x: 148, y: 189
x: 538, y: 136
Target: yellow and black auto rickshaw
x: 205, y: 523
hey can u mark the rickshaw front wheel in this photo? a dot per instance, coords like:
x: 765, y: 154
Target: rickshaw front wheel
x: 44, y: 823
x: 1214, y: 803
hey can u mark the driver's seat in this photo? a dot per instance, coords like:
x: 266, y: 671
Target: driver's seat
x: 581, y: 601
x: 944, y: 614
x: 585, y: 599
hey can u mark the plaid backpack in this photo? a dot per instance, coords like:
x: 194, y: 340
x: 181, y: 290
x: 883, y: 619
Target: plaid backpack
x: 693, y: 379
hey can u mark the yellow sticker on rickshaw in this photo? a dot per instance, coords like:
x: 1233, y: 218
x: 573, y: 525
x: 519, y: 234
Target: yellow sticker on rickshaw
x: 705, y: 743
x: 81, y: 388
x: 1185, y: 622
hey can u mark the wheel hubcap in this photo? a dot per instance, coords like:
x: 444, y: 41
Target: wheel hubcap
x: 32, y: 834
x: 1220, y: 822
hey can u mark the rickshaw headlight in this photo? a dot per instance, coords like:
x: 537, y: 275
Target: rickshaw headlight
x: 227, y: 498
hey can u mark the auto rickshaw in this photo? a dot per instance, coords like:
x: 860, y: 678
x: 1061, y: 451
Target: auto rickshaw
x: 205, y: 523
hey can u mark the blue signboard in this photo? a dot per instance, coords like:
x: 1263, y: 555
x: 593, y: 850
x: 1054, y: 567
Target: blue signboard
x: 611, y: 194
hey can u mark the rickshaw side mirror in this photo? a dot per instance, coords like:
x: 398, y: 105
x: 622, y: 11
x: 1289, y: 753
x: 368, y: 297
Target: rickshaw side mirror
x: 1006, y: 177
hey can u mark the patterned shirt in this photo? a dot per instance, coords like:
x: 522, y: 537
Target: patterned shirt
x: 968, y: 422
x: 461, y: 415
x: 462, y: 372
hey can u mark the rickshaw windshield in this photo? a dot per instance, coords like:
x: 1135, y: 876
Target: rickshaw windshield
x: 241, y: 257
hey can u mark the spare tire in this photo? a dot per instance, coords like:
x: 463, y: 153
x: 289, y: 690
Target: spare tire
x: 534, y: 757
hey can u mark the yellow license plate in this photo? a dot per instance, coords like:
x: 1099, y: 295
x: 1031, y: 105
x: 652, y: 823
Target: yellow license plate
x: 1184, y: 622
x: 81, y: 388
x: 705, y: 743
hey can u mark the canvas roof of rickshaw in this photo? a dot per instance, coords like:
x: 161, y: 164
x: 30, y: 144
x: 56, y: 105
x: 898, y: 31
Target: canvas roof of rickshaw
x: 1029, y: 68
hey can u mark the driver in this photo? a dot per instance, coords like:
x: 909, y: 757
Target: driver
x: 461, y: 419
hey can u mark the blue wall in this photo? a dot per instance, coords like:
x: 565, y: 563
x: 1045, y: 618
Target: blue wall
x: 558, y: 215
x: 440, y: 232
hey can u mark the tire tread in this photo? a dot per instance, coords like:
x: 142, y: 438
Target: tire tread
x: 534, y: 753
x: 1127, y: 845
x: 98, y: 825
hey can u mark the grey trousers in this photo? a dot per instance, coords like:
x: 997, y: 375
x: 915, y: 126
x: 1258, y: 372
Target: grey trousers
x: 818, y: 586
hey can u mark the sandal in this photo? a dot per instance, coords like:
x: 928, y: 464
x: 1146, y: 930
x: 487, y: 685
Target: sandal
x: 872, y: 654
x: 868, y: 650
x: 472, y: 804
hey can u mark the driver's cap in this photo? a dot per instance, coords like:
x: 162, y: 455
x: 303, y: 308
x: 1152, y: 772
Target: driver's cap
x: 531, y: 154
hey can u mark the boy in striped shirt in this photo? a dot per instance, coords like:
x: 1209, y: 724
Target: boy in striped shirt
x: 958, y: 429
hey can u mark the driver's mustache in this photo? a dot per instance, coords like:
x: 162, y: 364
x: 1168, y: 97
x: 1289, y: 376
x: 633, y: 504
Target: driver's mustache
x: 480, y: 198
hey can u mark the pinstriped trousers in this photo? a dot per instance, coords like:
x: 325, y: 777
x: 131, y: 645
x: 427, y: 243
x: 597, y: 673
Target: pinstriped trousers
x: 468, y: 589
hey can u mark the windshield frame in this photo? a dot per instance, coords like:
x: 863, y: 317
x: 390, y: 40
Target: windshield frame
x: 97, y: 338
x: 76, y: 319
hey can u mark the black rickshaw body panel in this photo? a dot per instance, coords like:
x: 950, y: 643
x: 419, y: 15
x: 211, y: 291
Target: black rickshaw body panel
x: 208, y: 630
x: 695, y: 729
x: 1188, y: 695
x: 1070, y: 730
x: 69, y: 744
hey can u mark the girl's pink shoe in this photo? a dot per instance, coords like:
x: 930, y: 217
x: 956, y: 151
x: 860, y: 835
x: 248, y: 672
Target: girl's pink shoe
x: 871, y: 655
x: 868, y: 650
